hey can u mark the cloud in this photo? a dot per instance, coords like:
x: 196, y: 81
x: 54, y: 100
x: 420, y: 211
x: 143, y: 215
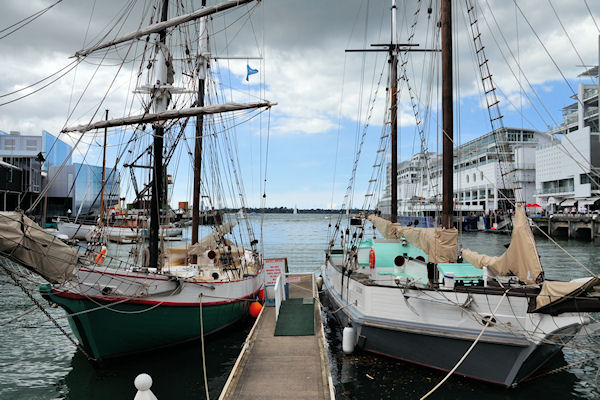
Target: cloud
x: 305, y: 67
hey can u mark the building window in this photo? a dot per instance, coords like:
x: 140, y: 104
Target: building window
x: 467, y: 178
x: 31, y: 144
x: 584, y: 178
x: 9, y: 144
x: 481, y: 175
x: 474, y: 177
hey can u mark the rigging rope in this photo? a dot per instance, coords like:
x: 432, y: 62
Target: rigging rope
x: 39, y: 305
x: 27, y: 20
x: 203, y: 354
x: 487, y: 323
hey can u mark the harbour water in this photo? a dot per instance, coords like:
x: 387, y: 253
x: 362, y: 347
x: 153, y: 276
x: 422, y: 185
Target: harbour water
x: 38, y: 362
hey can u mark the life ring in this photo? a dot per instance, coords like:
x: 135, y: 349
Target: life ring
x: 101, y: 256
x: 372, y: 259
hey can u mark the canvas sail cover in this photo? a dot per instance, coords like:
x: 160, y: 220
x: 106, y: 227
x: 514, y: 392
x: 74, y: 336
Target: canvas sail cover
x: 440, y: 244
x: 520, y: 259
x: 212, y: 241
x: 24, y: 242
x: 555, y: 291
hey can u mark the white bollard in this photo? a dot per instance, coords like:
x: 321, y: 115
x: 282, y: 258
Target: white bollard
x: 143, y: 382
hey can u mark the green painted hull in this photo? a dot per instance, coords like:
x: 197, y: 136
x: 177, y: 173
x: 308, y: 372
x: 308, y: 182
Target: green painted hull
x: 127, y: 328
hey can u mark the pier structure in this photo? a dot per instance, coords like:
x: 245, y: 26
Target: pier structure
x: 578, y: 226
x: 276, y: 366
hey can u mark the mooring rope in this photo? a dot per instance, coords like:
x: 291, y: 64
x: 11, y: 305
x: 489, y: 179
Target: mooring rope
x: 487, y: 323
x: 39, y: 305
x: 203, y: 354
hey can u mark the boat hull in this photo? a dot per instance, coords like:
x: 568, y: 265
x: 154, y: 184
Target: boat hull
x: 125, y: 328
x: 74, y: 230
x: 115, y: 313
x: 128, y: 328
x: 114, y: 233
x: 500, y: 358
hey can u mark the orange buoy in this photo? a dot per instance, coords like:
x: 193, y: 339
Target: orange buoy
x: 255, y: 309
x: 261, y: 295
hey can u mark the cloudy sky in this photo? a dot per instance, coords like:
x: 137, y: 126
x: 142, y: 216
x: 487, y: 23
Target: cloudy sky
x: 536, y: 49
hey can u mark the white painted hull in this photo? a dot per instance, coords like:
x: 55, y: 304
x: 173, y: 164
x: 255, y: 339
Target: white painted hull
x: 113, y: 233
x: 108, y: 283
x: 74, y: 230
x: 440, y: 324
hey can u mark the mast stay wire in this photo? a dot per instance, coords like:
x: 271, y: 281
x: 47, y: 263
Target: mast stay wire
x: 27, y: 20
x: 568, y: 36
x: 591, y: 15
x: 45, y: 190
x: 533, y: 90
x: 339, y: 124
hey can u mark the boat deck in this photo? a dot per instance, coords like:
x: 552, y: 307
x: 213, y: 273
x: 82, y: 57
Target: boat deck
x: 276, y: 367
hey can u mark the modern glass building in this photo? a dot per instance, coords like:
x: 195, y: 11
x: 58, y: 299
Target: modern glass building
x: 55, y: 151
x: 83, y: 184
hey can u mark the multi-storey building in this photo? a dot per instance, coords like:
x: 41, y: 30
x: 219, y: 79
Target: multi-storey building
x: 490, y: 173
x: 568, y: 168
x: 37, y: 160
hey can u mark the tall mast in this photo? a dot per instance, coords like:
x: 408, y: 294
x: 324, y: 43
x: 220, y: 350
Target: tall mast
x: 447, y: 110
x: 160, y: 104
x: 202, y: 67
x: 394, y: 118
x: 103, y: 175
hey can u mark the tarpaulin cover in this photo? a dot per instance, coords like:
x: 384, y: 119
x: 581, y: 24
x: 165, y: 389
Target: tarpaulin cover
x: 26, y: 243
x: 520, y: 259
x: 439, y: 244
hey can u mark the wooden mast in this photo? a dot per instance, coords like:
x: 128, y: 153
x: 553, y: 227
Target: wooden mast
x: 447, y: 120
x: 393, y: 48
x: 103, y: 176
x: 202, y: 49
x: 157, y: 181
x: 394, y: 118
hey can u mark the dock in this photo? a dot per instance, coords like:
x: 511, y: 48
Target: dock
x: 572, y: 226
x: 286, y: 366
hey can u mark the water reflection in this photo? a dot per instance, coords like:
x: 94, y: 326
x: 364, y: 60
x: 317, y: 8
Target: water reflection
x: 37, y: 362
x: 367, y: 376
x: 177, y: 371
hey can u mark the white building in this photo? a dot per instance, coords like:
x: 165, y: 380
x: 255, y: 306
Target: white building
x: 490, y: 172
x: 568, y: 168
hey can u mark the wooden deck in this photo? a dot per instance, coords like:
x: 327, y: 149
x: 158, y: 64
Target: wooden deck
x: 282, y: 367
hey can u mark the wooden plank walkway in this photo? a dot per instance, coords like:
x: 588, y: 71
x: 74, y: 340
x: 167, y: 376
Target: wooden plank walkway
x: 282, y: 367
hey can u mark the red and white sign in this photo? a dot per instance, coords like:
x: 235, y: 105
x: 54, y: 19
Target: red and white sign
x: 273, y: 268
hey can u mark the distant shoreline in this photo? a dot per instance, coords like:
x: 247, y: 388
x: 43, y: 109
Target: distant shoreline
x: 286, y: 210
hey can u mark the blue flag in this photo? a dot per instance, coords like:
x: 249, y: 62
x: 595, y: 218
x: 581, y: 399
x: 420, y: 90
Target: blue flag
x: 251, y: 71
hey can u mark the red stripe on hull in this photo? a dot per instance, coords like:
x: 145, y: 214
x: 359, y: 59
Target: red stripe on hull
x: 74, y: 296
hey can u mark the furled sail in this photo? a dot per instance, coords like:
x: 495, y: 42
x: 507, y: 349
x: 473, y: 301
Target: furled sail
x: 212, y: 240
x: 520, y: 259
x: 166, y: 115
x: 24, y: 242
x: 439, y: 244
x: 180, y: 254
x: 161, y: 26
x: 555, y: 292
